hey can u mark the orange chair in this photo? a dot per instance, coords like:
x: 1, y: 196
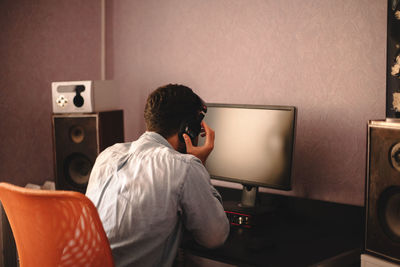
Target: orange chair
x: 55, y: 228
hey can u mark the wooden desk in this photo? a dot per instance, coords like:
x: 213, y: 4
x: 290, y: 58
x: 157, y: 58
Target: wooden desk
x: 300, y: 232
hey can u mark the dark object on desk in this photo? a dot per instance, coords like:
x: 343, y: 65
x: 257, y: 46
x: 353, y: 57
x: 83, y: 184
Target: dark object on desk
x: 259, y: 244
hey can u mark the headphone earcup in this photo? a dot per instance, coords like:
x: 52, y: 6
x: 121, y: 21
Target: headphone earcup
x: 183, y: 129
x: 190, y: 128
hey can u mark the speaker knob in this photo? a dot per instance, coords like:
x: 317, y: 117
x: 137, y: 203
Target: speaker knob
x: 62, y: 101
x: 78, y: 99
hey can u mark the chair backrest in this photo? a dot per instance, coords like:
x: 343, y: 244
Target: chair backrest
x: 55, y: 228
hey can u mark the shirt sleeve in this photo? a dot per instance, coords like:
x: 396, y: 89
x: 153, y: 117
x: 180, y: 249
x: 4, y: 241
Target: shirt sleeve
x: 202, y: 210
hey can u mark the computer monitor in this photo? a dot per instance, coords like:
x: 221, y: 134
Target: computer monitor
x: 253, y: 146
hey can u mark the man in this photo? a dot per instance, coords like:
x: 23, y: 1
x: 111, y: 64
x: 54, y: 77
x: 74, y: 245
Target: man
x: 148, y: 190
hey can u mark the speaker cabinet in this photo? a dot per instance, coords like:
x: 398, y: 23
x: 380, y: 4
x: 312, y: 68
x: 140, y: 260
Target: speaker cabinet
x: 77, y: 140
x: 382, y: 205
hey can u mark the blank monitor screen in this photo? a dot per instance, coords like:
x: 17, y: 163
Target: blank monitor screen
x: 253, y: 144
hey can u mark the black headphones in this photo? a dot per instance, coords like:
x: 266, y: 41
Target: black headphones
x: 192, y: 125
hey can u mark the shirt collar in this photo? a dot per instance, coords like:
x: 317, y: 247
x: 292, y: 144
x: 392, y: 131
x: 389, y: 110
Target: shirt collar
x: 156, y: 137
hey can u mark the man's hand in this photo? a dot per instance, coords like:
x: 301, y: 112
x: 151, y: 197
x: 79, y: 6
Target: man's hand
x: 203, y: 151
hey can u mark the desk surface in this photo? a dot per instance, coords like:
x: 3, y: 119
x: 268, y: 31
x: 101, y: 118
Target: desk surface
x: 300, y: 233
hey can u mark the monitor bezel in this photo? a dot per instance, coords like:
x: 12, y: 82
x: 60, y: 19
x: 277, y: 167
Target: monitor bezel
x: 291, y: 109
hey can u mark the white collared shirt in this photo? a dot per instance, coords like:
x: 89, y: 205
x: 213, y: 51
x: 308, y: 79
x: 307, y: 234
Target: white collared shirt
x: 144, y: 191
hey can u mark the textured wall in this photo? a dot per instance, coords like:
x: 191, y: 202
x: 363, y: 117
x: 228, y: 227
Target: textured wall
x: 41, y: 41
x: 325, y: 57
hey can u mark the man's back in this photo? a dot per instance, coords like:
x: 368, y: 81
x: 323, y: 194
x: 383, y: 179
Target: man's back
x: 144, y: 191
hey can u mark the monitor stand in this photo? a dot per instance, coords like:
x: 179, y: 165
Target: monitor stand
x: 249, y: 196
x: 248, y: 213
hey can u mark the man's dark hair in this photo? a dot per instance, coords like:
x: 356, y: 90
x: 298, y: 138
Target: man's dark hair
x: 168, y: 106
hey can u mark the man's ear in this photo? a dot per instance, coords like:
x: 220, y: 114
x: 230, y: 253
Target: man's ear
x: 174, y: 141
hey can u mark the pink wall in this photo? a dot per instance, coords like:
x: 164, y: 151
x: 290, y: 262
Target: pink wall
x: 325, y: 57
x: 41, y: 41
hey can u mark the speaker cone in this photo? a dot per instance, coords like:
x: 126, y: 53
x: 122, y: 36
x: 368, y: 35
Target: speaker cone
x: 389, y: 212
x: 77, y: 169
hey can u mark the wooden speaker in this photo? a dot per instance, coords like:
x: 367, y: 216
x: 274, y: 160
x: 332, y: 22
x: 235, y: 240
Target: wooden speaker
x: 382, y: 233
x: 77, y: 140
